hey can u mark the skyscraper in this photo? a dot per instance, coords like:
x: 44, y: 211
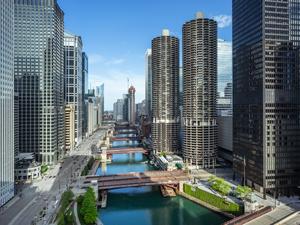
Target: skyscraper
x: 200, y: 91
x: 39, y: 77
x: 85, y: 74
x: 7, y: 101
x: 85, y: 88
x: 100, y: 102
x: 165, y: 93
x: 148, y: 73
x: 131, y: 105
x: 266, y: 88
x: 118, y: 110
x: 224, y: 64
x: 73, y: 81
x: 125, y: 107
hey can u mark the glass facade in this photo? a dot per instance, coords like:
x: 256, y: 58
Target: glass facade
x: 148, y: 88
x: 6, y: 101
x: 100, y: 102
x: 73, y: 80
x: 85, y: 88
x: 224, y: 65
x: 39, y: 79
x: 266, y: 88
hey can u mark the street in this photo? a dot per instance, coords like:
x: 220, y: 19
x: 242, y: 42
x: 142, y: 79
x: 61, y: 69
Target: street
x: 42, y: 196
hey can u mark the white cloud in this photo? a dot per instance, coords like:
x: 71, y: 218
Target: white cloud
x: 223, y: 20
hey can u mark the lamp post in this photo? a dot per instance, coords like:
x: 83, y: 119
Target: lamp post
x: 244, y: 164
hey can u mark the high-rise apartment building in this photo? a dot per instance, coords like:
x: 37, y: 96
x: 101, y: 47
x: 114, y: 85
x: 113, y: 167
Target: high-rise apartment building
x: 200, y: 91
x: 39, y: 77
x: 131, y: 105
x: 266, y: 88
x: 148, y: 88
x: 7, y: 101
x: 73, y: 81
x: 165, y: 93
x: 85, y: 88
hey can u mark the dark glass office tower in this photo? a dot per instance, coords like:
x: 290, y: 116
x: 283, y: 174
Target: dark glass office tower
x: 85, y: 88
x: 39, y: 77
x: 200, y: 91
x: 266, y: 90
x: 165, y: 93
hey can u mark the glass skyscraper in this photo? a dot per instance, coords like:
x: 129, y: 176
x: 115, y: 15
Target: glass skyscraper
x: 73, y: 80
x: 85, y: 74
x: 39, y: 77
x: 100, y: 101
x: 266, y: 90
x: 148, y: 78
x: 85, y: 89
x: 6, y: 101
x: 224, y: 64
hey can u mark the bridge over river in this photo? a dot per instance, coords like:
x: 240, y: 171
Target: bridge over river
x: 134, y: 138
x: 116, y: 151
x: 149, y: 178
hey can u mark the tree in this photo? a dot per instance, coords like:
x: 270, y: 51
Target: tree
x: 179, y: 166
x: 89, y: 208
x: 243, y: 191
x: 219, y: 185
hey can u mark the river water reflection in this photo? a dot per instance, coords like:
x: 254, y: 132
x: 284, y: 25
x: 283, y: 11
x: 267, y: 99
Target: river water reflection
x: 146, y: 206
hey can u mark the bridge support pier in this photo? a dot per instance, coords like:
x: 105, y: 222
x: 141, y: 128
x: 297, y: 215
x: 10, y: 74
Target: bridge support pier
x: 102, y: 199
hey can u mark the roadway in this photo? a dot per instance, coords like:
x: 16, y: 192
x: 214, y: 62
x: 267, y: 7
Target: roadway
x: 44, y: 194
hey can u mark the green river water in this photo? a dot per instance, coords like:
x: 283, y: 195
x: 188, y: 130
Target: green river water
x: 146, y: 206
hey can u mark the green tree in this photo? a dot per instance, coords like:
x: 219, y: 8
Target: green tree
x: 89, y: 208
x: 220, y: 185
x: 243, y: 191
x: 69, y: 217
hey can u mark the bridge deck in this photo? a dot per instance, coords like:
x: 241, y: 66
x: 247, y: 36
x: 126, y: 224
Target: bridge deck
x: 126, y: 151
x: 124, y: 139
x: 149, y: 178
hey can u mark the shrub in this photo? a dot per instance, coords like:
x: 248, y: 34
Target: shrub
x: 213, y: 200
x: 44, y: 169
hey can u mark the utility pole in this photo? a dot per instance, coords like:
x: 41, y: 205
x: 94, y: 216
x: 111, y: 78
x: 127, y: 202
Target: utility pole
x: 244, y: 162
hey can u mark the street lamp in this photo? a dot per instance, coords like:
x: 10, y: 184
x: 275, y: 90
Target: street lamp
x: 244, y: 164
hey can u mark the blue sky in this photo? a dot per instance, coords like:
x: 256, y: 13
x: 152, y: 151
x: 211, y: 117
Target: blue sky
x: 116, y: 34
